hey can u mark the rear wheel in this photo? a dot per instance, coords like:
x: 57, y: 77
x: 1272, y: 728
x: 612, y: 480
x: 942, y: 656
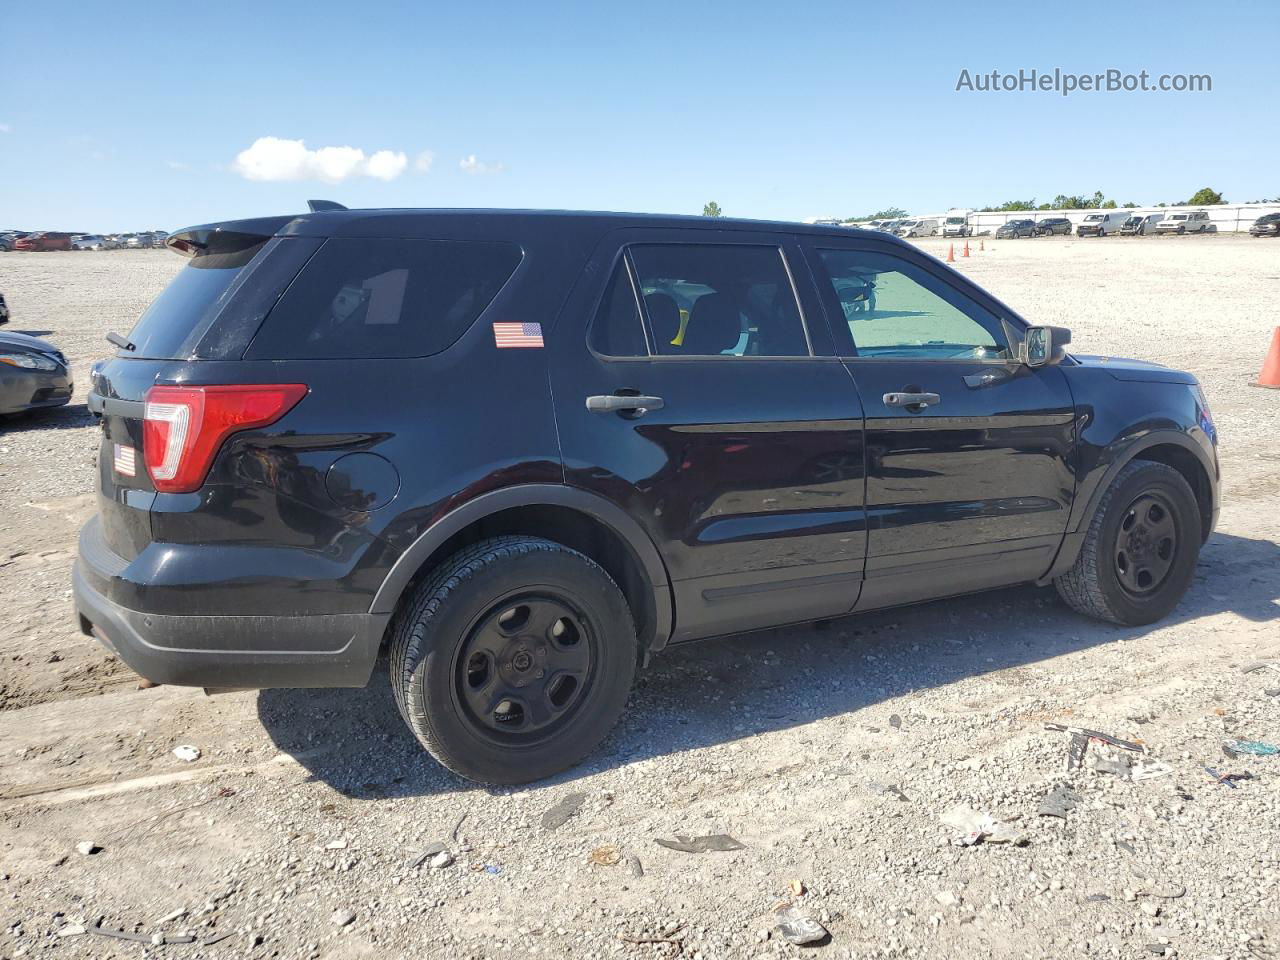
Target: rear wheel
x: 1139, y: 553
x: 514, y: 659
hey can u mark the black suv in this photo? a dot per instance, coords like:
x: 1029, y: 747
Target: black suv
x: 1053, y: 225
x: 520, y: 452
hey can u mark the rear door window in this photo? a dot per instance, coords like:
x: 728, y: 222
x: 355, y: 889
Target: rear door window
x: 384, y: 298
x: 719, y: 300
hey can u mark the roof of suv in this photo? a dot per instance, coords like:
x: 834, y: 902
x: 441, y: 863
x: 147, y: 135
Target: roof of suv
x: 408, y: 222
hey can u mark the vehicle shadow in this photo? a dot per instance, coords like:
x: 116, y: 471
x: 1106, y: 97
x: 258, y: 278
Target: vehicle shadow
x: 70, y: 416
x: 29, y: 333
x: 718, y: 691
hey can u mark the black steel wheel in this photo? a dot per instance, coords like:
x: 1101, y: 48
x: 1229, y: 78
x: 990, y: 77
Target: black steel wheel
x: 1140, y: 549
x: 524, y: 667
x: 513, y: 659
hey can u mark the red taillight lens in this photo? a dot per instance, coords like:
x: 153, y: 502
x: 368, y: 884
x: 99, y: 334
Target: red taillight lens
x: 183, y: 427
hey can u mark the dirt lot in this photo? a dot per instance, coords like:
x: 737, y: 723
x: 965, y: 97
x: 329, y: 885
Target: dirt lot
x: 830, y: 752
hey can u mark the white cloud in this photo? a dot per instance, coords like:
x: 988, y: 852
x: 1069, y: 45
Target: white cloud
x: 423, y: 161
x: 271, y: 158
x: 469, y: 164
x: 5, y: 128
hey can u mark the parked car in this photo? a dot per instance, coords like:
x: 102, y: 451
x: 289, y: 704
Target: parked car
x: 1016, y: 228
x: 1195, y: 222
x: 1138, y: 225
x: 88, y: 241
x: 4, y: 311
x: 43, y: 241
x: 1052, y: 226
x: 891, y: 226
x: 33, y: 374
x: 1268, y: 225
x: 1101, y: 224
x: 306, y: 470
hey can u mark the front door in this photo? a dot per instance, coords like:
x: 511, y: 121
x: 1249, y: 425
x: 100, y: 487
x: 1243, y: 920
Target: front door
x: 969, y: 483
x: 704, y: 399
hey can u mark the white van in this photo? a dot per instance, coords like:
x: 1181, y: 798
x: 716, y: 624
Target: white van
x: 918, y: 228
x: 956, y: 224
x: 1101, y: 224
x: 1195, y: 222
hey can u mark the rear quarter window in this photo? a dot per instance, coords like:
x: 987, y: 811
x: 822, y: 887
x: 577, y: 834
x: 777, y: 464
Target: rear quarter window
x: 384, y: 298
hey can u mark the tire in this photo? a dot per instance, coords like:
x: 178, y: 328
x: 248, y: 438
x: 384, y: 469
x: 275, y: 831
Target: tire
x: 469, y: 651
x: 1124, y: 574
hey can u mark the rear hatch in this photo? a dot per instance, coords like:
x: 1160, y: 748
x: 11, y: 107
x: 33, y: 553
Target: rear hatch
x: 206, y: 316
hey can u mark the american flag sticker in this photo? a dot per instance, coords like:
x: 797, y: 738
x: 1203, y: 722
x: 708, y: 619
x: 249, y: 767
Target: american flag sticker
x: 517, y: 335
x: 126, y: 461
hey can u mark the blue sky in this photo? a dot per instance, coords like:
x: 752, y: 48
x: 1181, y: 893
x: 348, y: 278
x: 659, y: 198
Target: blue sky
x: 133, y: 116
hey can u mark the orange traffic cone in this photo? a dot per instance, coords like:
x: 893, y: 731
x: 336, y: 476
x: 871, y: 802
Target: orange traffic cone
x: 951, y: 253
x: 966, y: 249
x: 1270, y: 375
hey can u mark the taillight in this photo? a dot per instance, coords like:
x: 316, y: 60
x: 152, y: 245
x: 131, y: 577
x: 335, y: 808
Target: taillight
x: 184, y: 427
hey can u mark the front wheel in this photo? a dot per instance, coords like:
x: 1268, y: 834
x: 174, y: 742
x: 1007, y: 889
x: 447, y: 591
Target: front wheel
x: 1140, y: 550
x: 513, y: 659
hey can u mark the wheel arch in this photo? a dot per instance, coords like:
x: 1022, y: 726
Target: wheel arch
x: 1170, y: 447
x: 580, y: 520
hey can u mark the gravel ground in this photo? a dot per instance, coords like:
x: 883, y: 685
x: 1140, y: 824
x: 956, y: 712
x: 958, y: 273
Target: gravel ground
x: 309, y: 825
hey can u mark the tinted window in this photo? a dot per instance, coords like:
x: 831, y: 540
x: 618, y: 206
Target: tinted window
x: 618, y: 330
x: 384, y: 298
x: 893, y: 308
x: 174, y: 322
x: 711, y: 300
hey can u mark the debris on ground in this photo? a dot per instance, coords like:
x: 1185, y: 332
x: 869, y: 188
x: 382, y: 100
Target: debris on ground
x: 1254, y: 747
x: 716, y: 842
x: 636, y: 867
x: 342, y: 918
x: 1097, y: 735
x: 892, y: 789
x: 1060, y: 800
x: 797, y: 888
x: 976, y: 826
x: 1169, y: 891
x: 1149, y: 770
x: 670, y: 937
x: 72, y: 930
x: 441, y: 860
x: 1227, y: 779
x: 606, y: 856
x: 1108, y: 761
x: 187, y: 753
x: 895, y: 721
x: 796, y: 926
x: 558, y: 815
x: 432, y: 850
x: 87, y: 848
x: 339, y: 844
x: 1260, y: 665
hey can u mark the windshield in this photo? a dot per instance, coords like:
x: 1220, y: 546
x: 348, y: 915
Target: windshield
x: 1093, y: 216
x: 951, y: 221
x: 1178, y: 216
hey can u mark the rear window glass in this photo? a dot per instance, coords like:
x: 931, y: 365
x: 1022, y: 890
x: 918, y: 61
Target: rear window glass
x: 360, y: 299
x: 175, y: 321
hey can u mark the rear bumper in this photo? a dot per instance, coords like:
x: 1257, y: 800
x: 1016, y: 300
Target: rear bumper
x: 325, y: 650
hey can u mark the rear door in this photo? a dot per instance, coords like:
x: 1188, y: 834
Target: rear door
x: 968, y: 475
x: 740, y: 450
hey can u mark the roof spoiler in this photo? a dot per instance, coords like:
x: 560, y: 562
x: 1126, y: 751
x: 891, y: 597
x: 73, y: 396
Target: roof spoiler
x: 317, y: 206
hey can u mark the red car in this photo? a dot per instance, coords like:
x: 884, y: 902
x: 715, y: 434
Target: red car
x: 43, y: 241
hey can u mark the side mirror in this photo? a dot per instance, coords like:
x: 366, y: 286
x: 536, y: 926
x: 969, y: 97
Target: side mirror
x: 1041, y: 345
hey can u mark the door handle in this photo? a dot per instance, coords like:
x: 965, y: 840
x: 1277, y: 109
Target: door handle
x: 919, y: 400
x: 616, y: 403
